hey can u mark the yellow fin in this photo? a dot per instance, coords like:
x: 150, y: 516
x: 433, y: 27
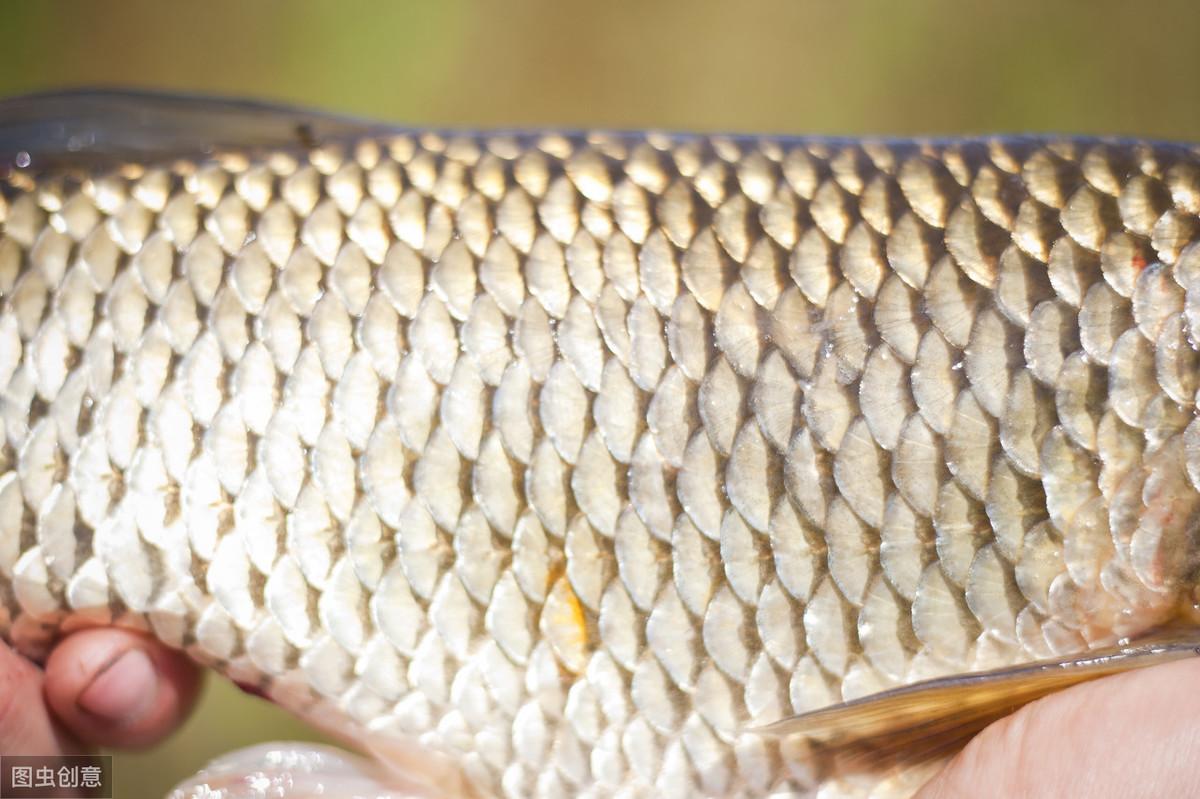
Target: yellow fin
x: 932, y: 719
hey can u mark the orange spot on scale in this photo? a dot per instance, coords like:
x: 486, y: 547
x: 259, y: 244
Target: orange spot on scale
x: 1139, y: 262
x: 565, y: 625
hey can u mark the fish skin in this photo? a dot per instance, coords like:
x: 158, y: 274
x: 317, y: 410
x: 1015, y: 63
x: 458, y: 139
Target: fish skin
x: 578, y: 458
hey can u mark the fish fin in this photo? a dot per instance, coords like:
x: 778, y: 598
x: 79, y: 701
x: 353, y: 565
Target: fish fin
x: 932, y: 719
x: 298, y: 771
x: 413, y: 765
x: 91, y: 127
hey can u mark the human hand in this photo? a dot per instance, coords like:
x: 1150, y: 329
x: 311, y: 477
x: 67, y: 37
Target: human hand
x: 1131, y: 735
x: 100, y: 687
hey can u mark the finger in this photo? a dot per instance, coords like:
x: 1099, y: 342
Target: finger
x: 1135, y: 734
x: 26, y: 726
x: 117, y: 688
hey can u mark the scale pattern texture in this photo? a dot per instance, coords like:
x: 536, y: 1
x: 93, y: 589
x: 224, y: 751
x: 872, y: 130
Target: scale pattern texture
x: 577, y: 458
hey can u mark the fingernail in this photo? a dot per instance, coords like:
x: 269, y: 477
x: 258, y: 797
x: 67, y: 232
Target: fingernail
x: 122, y: 690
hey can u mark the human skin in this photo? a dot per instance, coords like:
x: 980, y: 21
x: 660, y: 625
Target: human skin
x: 1131, y: 735
x: 100, y: 687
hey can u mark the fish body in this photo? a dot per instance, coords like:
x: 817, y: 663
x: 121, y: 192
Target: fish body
x: 579, y: 459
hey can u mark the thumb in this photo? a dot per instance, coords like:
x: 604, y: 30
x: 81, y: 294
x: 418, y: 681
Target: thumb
x: 113, y: 687
x: 1130, y: 735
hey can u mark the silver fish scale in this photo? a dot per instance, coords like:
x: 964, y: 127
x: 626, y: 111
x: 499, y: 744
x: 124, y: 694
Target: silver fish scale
x: 577, y: 458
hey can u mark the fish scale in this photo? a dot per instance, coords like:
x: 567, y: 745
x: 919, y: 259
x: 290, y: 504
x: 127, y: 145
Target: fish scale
x: 579, y: 458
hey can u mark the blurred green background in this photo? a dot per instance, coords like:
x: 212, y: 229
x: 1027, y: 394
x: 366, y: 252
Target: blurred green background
x: 788, y: 66
x: 836, y: 66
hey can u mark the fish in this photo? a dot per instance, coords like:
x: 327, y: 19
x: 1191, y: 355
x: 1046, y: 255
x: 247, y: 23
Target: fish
x: 600, y: 464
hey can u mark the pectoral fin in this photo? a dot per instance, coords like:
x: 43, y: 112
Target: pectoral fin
x: 300, y: 771
x: 932, y: 719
